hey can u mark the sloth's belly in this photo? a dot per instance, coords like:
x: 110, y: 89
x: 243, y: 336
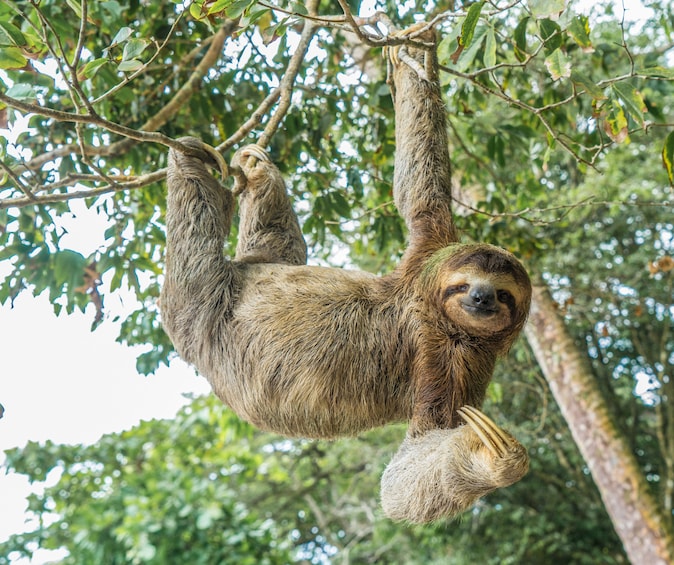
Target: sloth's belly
x: 307, y: 411
x: 313, y: 352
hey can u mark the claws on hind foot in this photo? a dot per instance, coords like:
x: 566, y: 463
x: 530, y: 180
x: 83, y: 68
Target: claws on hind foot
x: 397, y: 54
x: 494, y: 438
x: 244, y: 162
x: 242, y: 156
x: 196, y: 148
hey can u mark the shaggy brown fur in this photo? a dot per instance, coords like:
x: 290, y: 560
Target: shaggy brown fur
x: 322, y: 352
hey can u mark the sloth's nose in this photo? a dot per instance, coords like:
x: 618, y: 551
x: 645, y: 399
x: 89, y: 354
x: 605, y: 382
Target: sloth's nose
x: 483, y: 296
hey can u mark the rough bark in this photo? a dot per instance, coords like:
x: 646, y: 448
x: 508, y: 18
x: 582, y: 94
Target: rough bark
x: 645, y: 532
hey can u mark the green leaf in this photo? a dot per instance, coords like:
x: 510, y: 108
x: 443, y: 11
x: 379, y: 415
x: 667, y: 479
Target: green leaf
x: 218, y: 6
x: 657, y: 72
x: 122, y: 35
x: 469, y: 24
x: 520, y: 37
x: 76, y: 7
x: 195, y: 10
x: 546, y: 8
x: 12, y: 58
x: 558, y: 65
x: 133, y: 48
x: 92, y: 67
x: 632, y: 99
x: 489, y: 57
x: 579, y: 30
x: 668, y: 157
x: 112, y: 12
x: 263, y: 18
x: 69, y: 268
x: 129, y: 66
x: 116, y: 281
x: 339, y: 204
x: 615, y: 123
x: 551, y: 34
x: 464, y: 59
x: 354, y: 181
x: 591, y: 88
x: 299, y: 8
x: 11, y: 35
x: 237, y: 8
x: 23, y: 92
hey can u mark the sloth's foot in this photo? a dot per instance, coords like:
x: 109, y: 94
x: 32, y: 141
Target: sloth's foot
x: 197, y: 149
x: 244, y: 162
x: 418, y: 59
x: 507, y: 459
x: 248, y: 156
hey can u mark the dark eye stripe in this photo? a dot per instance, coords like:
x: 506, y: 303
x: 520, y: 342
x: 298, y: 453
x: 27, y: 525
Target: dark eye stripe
x: 452, y: 290
x: 505, y: 297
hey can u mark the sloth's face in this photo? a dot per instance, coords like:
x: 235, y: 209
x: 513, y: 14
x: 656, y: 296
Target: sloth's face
x: 481, y: 303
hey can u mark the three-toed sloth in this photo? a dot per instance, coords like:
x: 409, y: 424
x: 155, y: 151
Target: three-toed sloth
x: 324, y: 352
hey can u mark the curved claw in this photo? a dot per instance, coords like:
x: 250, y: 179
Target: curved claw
x: 252, y: 150
x: 219, y: 159
x: 194, y: 144
x: 244, y: 162
x: 396, y: 54
x: 493, y: 437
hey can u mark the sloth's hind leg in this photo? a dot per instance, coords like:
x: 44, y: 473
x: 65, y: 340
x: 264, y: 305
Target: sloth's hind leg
x: 269, y: 231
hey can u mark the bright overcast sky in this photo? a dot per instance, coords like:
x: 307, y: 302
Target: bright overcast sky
x: 60, y: 381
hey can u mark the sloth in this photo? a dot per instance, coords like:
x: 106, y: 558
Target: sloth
x: 318, y: 352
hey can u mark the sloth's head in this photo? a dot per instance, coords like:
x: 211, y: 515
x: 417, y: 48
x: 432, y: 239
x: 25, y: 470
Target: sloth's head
x: 483, y: 290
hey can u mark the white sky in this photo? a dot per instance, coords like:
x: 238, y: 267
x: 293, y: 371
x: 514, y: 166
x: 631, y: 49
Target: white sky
x: 60, y: 381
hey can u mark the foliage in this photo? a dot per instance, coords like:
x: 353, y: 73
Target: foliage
x: 558, y: 124
x: 618, y: 298
x: 205, y: 488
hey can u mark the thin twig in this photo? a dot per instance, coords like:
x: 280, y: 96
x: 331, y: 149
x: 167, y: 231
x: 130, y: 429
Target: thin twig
x: 290, y: 75
x: 138, y: 182
x: 18, y: 182
x: 80, y: 35
x: 155, y: 122
x: 131, y: 77
x: 138, y: 135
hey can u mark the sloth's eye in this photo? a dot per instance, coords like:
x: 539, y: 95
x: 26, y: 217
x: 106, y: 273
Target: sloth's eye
x: 505, y: 297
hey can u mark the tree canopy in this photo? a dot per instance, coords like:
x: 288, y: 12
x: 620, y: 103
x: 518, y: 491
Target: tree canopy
x: 560, y: 123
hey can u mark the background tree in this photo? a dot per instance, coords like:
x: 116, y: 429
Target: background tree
x: 541, y: 100
x: 207, y: 488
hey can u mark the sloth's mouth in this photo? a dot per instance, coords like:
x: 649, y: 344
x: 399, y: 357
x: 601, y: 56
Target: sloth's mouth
x: 479, y: 310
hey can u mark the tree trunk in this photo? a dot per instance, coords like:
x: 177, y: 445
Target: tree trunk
x: 645, y: 532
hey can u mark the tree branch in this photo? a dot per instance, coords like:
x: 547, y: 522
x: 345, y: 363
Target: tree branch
x: 114, y: 186
x: 215, y: 42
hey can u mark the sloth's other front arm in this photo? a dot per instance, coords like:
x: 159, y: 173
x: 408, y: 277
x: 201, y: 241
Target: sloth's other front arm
x: 199, y: 281
x: 422, y: 181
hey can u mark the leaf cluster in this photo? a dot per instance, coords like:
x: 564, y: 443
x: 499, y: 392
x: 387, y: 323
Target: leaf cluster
x: 205, y: 487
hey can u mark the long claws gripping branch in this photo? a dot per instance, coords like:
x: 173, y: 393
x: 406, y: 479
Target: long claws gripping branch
x: 244, y: 162
x: 243, y: 155
x: 196, y: 148
x: 397, y: 54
